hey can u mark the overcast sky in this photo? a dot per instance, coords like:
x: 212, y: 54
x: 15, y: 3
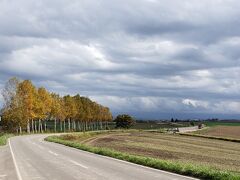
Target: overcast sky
x: 150, y: 58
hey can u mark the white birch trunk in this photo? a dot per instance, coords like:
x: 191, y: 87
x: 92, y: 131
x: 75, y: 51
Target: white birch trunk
x: 32, y: 126
x: 39, y: 130
x: 69, y: 125
x: 28, y: 127
x: 35, y: 126
x: 45, y: 125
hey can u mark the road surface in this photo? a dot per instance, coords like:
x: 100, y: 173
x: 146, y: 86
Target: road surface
x: 188, y: 129
x: 7, y: 169
x: 34, y: 158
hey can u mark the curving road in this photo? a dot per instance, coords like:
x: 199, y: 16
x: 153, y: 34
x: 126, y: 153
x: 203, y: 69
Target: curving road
x: 33, y: 158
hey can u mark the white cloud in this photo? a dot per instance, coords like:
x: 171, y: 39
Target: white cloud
x: 227, y: 106
x: 146, y: 56
x: 195, y: 103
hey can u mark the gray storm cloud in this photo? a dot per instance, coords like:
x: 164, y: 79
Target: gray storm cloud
x: 146, y: 56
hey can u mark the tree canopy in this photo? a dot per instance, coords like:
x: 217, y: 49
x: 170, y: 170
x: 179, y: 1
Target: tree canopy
x: 25, y: 103
x: 124, y: 121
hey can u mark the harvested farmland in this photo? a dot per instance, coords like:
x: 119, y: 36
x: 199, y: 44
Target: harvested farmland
x: 222, y: 131
x: 218, y: 154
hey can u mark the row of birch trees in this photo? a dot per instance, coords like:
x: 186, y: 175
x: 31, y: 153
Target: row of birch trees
x: 31, y: 109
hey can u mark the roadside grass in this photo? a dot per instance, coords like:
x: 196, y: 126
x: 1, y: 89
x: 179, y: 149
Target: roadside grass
x: 189, y: 169
x: 3, y: 138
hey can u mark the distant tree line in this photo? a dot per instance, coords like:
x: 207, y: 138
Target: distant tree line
x: 29, y: 108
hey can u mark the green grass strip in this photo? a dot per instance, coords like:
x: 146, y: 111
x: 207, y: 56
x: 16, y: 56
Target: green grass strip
x: 4, y: 138
x: 211, y: 137
x: 175, y: 167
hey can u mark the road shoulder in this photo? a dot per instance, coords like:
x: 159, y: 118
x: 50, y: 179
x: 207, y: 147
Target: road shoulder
x: 7, y: 169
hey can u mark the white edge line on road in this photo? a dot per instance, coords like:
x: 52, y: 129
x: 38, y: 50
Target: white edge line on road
x: 14, y: 161
x: 78, y: 164
x: 126, y: 162
x: 55, y: 154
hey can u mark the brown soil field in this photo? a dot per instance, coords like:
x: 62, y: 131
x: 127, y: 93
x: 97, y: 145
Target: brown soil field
x: 222, y: 131
x: 217, y: 154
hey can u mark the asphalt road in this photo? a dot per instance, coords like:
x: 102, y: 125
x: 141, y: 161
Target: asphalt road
x: 188, y: 129
x: 33, y: 158
x: 7, y: 169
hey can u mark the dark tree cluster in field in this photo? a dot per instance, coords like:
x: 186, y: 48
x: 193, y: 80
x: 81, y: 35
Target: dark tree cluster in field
x: 27, y: 107
x: 174, y: 120
x: 124, y: 121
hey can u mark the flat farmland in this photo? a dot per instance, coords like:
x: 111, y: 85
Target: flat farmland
x: 218, y: 154
x: 221, y: 123
x: 221, y: 131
